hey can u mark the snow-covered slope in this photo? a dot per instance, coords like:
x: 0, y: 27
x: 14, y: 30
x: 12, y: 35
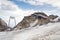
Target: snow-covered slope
x: 50, y: 31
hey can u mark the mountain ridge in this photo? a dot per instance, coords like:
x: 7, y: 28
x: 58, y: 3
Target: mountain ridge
x: 41, y: 18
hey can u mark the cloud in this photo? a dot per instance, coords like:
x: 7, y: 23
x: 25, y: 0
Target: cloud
x: 55, y: 3
x: 8, y: 8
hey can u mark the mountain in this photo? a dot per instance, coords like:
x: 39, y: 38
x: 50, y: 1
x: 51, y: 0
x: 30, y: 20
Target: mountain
x: 34, y: 27
x: 37, y: 18
x: 3, y: 25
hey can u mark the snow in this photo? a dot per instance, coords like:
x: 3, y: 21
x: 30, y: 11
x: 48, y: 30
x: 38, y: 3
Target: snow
x: 50, y: 31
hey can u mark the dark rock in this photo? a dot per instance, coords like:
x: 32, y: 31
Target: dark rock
x: 52, y: 17
x: 59, y: 20
x: 40, y: 14
x: 3, y: 25
x: 41, y: 18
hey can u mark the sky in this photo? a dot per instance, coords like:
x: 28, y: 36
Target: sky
x: 21, y: 8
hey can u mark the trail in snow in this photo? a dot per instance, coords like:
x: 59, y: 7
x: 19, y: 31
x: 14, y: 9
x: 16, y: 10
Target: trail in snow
x: 49, y: 31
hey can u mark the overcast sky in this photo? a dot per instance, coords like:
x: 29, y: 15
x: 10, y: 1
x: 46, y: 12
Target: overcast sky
x: 21, y: 8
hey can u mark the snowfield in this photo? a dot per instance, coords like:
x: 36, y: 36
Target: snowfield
x: 50, y: 31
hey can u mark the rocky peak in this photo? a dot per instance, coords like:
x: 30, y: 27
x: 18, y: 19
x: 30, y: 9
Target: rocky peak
x: 40, y: 14
x: 38, y: 18
x: 52, y: 17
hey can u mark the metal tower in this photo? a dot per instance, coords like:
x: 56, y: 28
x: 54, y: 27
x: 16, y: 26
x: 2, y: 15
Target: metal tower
x: 13, y: 18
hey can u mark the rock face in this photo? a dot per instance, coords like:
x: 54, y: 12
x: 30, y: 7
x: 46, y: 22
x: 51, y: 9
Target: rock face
x: 58, y: 20
x: 52, y: 18
x: 42, y: 18
x: 25, y: 22
x: 38, y: 17
x: 3, y: 25
x: 41, y: 14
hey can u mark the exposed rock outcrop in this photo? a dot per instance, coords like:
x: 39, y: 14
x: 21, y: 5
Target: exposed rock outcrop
x: 3, y: 25
x: 58, y: 20
x: 38, y: 17
x: 52, y: 18
x: 27, y: 20
x: 42, y: 18
x: 41, y: 14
